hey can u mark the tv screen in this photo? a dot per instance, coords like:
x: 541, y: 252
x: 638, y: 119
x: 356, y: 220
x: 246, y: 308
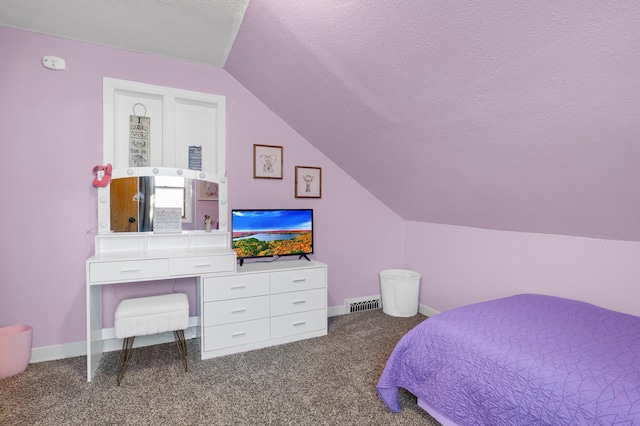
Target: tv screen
x: 271, y: 232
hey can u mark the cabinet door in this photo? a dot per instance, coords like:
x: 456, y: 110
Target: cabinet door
x: 123, y: 104
x: 197, y: 123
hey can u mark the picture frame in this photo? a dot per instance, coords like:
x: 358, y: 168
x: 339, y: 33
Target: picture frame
x: 267, y: 161
x: 207, y: 191
x: 308, y: 182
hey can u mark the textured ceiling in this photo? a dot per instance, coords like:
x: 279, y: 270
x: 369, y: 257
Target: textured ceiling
x: 194, y: 30
x: 501, y: 114
x: 513, y: 115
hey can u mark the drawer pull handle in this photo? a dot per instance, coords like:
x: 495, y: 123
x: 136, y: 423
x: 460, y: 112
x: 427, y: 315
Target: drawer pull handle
x: 300, y: 280
x: 239, y: 334
x: 299, y: 302
x: 129, y: 271
x: 203, y: 265
x: 238, y: 311
x: 299, y: 323
x: 238, y: 287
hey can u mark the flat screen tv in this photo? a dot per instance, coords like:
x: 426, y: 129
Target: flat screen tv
x: 272, y: 233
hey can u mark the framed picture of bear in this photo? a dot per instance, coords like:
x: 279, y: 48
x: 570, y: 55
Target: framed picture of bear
x: 308, y: 182
x: 267, y: 161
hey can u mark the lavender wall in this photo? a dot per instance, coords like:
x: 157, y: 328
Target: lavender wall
x: 51, y: 135
x: 462, y: 265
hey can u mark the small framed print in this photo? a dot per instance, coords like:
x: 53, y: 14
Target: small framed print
x: 207, y: 191
x: 308, y: 182
x: 267, y: 161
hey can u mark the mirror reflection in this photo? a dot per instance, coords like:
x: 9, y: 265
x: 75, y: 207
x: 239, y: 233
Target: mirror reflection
x: 134, y: 198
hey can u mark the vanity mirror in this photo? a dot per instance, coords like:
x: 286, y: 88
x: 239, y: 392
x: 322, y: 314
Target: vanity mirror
x: 127, y: 203
x: 133, y: 200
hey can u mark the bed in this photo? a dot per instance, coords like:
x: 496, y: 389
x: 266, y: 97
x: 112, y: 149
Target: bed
x: 527, y: 359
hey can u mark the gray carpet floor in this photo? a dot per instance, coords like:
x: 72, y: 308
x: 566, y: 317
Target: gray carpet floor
x: 328, y: 380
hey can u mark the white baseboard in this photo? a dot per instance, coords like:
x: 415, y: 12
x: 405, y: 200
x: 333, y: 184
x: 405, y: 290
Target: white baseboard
x: 334, y: 311
x: 69, y: 350
x: 426, y: 310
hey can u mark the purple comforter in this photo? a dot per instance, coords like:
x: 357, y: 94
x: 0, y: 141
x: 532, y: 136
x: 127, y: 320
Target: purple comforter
x: 522, y: 360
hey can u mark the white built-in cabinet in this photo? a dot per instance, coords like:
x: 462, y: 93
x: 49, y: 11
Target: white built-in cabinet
x: 179, y: 119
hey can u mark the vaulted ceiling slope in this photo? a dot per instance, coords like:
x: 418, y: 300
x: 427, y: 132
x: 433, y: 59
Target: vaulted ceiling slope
x: 511, y: 115
x: 504, y: 114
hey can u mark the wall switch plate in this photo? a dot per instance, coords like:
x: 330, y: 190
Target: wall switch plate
x: 54, y: 63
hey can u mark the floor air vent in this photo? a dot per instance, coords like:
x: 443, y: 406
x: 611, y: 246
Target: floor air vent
x: 363, y: 304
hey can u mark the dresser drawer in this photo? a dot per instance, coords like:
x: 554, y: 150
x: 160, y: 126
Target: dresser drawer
x: 242, y: 333
x: 299, y: 279
x: 235, y: 310
x: 131, y: 270
x: 235, y: 286
x: 298, y: 301
x: 201, y: 264
x: 289, y: 325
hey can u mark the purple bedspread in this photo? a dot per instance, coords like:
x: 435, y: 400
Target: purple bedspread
x: 522, y: 360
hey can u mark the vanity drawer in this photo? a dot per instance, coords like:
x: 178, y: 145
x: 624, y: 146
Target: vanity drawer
x: 299, y: 279
x: 132, y: 270
x: 235, y: 310
x: 235, y: 286
x: 201, y: 264
x: 303, y: 322
x: 241, y: 333
x: 299, y: 301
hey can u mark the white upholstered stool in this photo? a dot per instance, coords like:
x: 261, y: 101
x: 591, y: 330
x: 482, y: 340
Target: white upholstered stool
x: 151, y: 315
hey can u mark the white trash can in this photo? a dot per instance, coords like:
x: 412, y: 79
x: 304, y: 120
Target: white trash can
x: 400, y: 289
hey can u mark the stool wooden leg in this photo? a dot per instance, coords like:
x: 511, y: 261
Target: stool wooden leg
x: 125, y: 354
x: 182, y: 347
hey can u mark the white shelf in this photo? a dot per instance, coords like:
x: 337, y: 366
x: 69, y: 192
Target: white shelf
x: 147, y: 243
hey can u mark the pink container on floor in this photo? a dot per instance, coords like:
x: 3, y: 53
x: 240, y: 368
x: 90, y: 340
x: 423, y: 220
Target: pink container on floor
x: 15, y: 349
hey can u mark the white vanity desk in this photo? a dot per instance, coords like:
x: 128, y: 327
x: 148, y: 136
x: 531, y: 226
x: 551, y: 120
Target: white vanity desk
x: 155, y: 257
x: 254, y: 306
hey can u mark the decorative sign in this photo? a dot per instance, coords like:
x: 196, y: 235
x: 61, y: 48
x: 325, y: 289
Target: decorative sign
x: 195, y: 157
x: 167, y: 220
x: 139, y: 142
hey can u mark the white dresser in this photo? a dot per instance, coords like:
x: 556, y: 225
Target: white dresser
x: 262, y: 304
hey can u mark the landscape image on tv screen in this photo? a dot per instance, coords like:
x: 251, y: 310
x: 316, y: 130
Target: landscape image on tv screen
x: 265, y: 233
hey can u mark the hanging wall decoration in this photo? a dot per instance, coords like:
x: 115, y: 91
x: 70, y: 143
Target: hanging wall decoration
x: 139, y: 142
x: 195, y: 157
x: 207, y: 191
x: 308, y: 182
x: 267, y: 161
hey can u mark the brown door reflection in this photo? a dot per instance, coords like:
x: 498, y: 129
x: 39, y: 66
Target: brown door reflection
x: 124, y: 205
